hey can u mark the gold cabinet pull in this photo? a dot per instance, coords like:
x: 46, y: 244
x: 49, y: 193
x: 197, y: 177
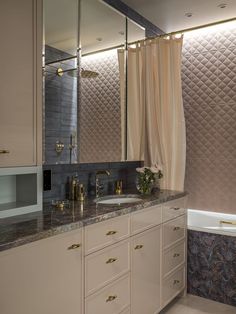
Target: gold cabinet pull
x: 227, y: 222
x: 138, y: 247
x: 111, y: 233
x: 111, y: 260
x: 4, y: 151
x: 111, y: 298
x: 176, y: 228
x: 176, y: 282
x: 175, y: 208
x: 176, y: 255
x: 74, y: 246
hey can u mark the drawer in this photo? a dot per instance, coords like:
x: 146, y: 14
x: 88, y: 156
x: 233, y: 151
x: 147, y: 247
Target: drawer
x: 173, y: 231
x: 113, y: 299
x: 145, y: 219
x: 173, y: 209
x: 172, y: 258
x: 106, y: 233
x: 106, y: 265
x: 173, y: 285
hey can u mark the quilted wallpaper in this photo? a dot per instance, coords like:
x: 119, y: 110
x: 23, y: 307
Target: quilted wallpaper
x: 209, y: 94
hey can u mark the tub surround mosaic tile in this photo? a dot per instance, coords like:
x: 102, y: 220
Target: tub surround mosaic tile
x: 19, y: 230
x: 212, y: 266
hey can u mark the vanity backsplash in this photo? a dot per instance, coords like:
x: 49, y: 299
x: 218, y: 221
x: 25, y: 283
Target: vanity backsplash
x: 61, y: 174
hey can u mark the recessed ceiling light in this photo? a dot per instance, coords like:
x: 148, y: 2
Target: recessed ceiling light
x: 189, y: 14
x: 99, y: 39
x: 222, y: 5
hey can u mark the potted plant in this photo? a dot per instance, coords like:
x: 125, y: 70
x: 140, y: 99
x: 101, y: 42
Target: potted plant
x: 147, y: 178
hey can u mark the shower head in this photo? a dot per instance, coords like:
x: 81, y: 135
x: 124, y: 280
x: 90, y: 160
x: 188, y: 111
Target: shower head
x: 84, y: 73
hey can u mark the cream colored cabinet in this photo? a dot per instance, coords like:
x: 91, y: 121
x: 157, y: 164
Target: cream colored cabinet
x: 20, y: 82
x: 43, y: 277
x: 146, y: 272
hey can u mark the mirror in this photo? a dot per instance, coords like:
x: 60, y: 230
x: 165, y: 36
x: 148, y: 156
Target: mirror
x: 61, y: 20
x: 100, y: 108
x: 85, y: 89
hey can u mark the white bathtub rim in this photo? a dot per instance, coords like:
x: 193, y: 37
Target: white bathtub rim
x: 215, y: 229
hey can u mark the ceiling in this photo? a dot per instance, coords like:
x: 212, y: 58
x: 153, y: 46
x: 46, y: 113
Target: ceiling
x: 101, y: 26
x: 169, y: 15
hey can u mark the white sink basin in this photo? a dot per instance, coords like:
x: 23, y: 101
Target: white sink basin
x: 118, y: 199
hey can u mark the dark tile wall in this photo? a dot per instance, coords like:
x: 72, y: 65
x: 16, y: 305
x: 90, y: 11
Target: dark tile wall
x: 125, y: 171
x: 212, y: 266
x: 209, y: 95
x: 60, y: 112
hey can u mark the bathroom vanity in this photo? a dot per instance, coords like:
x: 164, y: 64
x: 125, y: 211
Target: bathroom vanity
x: 109, y: 259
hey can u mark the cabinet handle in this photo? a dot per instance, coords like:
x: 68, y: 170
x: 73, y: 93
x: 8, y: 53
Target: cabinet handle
x: 176, y: 228
x: 111, y: 298
x: 111, y: 233
x: 138, y: 247
x: 4, y: 151
x: 74, y: 246
x: 111, y: 260
x: 175, y: 208
x: 176, y: 255
x: 176, y: 282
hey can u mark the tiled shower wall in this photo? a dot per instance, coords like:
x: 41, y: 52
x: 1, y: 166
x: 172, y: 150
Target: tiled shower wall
x: 209, y: 94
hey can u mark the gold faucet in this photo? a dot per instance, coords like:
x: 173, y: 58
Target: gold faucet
x: 118, y: 189
x: 99, y: 186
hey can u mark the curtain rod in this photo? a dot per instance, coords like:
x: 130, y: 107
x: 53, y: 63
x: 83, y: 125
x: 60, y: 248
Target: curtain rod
x: 188, y: 29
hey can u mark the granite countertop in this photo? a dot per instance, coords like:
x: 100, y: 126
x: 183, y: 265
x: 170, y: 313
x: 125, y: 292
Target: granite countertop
x: 23, y: 229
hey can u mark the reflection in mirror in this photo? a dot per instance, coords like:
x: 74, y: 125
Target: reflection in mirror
x: 102, y: 105
x: 135, y: 97
x: 60, y: 81
x: 61, y: 25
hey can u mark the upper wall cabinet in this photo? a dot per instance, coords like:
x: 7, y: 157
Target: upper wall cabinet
x: 20, y: 83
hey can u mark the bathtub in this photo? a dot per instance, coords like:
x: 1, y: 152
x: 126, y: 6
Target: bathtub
x: 211, y: 256
x: 211, y: 222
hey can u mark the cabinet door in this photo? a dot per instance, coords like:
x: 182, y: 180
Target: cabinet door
x: 145, y: 272
x: 44, y: 277
x: 18, y: 95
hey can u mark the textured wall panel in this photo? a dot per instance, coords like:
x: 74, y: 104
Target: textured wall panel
x: 209, y: 94
x: 99, y: 110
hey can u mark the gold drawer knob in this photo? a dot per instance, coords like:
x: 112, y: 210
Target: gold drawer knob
x: 138, y: 247
x: 176, y: 228
x: 176, y: 282
x: 4, y: 151
x: 74, y: 246
x: 111, y: 260
x: 111, y: 233
x: 111, y: 298
x: 176, y: 255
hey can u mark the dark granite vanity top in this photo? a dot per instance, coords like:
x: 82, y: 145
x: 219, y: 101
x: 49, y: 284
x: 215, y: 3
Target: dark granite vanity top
x: 19, y: 230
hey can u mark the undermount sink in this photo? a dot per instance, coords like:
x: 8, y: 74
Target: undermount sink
x: 115, y: 199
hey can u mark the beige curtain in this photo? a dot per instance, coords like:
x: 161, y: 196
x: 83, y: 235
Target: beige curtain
x: 155, y: 96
